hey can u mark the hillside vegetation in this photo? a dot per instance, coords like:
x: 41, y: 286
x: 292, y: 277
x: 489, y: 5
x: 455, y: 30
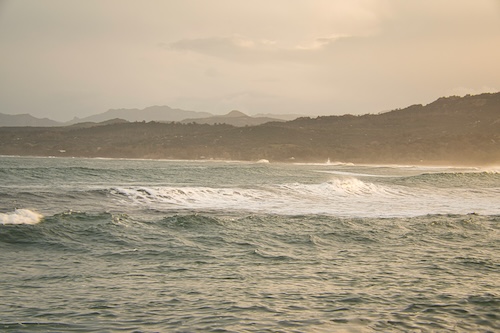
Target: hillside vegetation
x: 453, y: 130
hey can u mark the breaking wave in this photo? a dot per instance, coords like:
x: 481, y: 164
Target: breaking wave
x: 20, y: 216
x: 338, y: 196
x: 342, y: 187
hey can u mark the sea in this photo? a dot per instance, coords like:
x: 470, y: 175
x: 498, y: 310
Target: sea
x: 116, y: 245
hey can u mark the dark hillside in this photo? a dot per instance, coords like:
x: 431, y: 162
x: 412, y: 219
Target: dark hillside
x: 450, y: 130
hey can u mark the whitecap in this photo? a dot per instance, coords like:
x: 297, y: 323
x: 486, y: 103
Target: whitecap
x: 20, y: 216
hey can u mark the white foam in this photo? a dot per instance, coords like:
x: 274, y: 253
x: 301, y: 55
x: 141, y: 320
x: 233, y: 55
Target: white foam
x: 193, y: 197
x: 343, y: 187
x: 346, y: 196
x: 20, y: 216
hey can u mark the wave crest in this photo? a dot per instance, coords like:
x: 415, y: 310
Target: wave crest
x: 340, y: 187
x: 20, y: 216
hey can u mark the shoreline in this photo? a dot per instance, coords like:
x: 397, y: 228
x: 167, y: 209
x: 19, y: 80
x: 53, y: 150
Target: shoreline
x: 479, y: 167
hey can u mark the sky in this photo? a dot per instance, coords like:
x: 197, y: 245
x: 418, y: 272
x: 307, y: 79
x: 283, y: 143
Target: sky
x: 65, y: 58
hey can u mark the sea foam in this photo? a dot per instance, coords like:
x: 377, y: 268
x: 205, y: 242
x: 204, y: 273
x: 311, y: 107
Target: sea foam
x: 20, y: 216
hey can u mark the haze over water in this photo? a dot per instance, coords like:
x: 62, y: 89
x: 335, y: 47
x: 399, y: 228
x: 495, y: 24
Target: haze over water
x: 179, y: 246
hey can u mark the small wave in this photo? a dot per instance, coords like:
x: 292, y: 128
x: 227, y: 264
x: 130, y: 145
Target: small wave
x: 190, y: 221
x: 460, y: 174
x: 272, y: 255
x: 353, y: 174
x: 483, y: 179
x: 20, y: 216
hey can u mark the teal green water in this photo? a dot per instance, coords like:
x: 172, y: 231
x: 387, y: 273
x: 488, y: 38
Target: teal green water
x: 173, y: 246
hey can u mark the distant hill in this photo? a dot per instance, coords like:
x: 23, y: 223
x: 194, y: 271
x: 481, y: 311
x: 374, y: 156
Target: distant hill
x: 235, y: 118
x: 450, y: 131
x: 152, y: 113
x: 25, y: 120
x: 286, y: 116
x: 102, y: 123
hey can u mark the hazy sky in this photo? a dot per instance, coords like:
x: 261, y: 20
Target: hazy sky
x: 66, y: 58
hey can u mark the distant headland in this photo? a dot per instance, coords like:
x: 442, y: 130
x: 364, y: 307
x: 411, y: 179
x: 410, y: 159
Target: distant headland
x: 450, y: 130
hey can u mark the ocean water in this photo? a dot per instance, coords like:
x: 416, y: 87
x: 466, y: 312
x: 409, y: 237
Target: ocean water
x: 97, y: 245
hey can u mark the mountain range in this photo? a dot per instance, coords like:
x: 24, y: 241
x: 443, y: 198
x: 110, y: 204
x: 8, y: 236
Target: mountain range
x: 152, y: 113
x: 451, y: 131
x: 26, y: 120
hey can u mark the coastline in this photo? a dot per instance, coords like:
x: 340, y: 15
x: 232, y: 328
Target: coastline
x: 480, y: 168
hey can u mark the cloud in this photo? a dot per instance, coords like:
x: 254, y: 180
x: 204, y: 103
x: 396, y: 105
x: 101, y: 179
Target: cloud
x: 229, y: 48
x: 213, y: 45
x: 233, y: 48
x: 241, y: 49
x: 320, y: 42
